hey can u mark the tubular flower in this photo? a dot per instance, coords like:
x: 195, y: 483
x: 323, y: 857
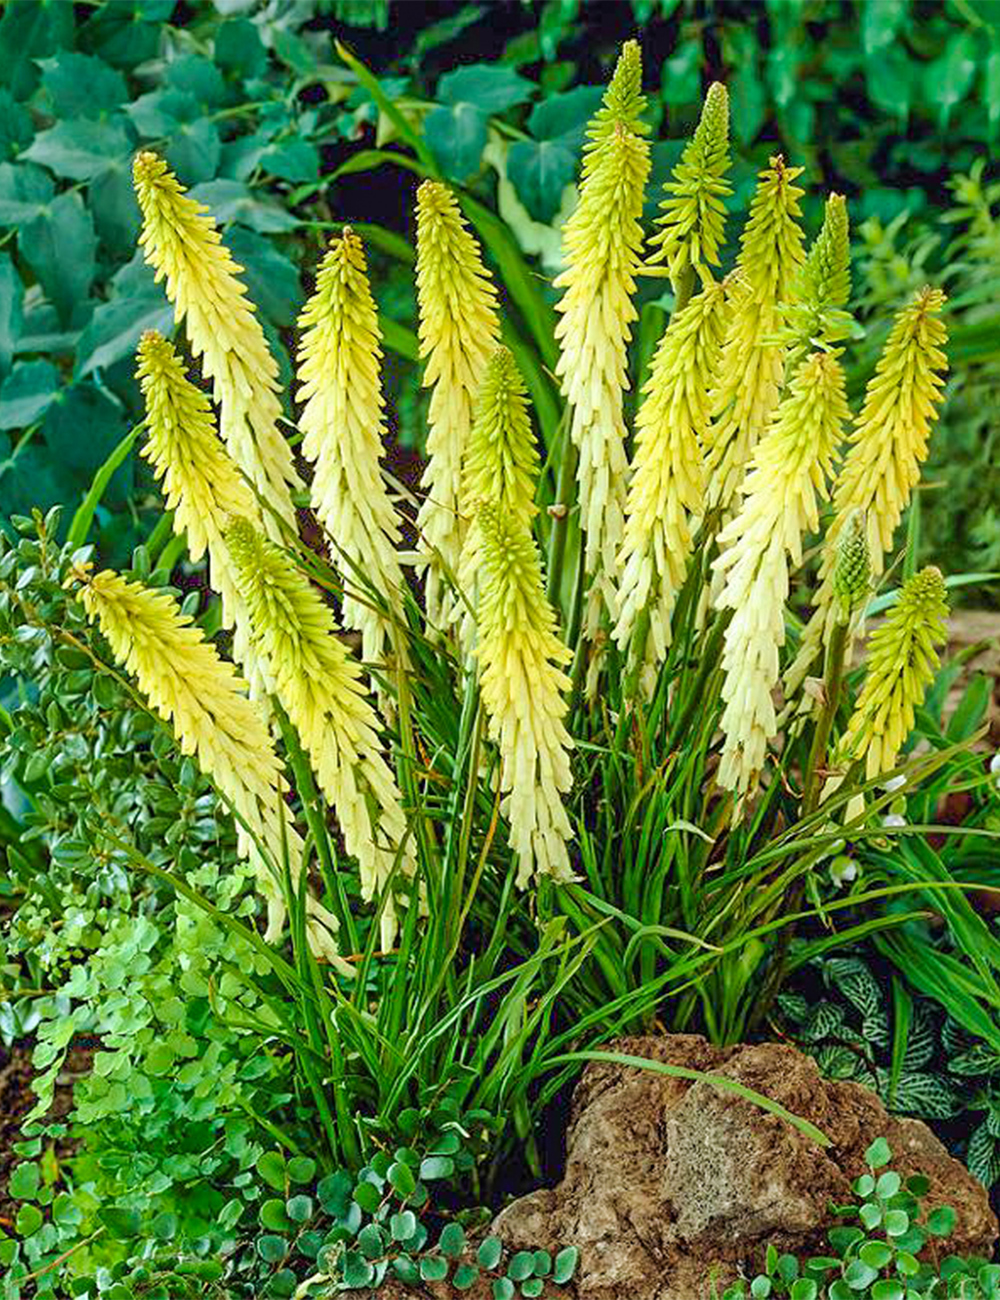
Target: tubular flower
x: 786, y: 480
x: 201, y: 485
x: 752, y: 367
x: 201, y: 697
x: 602, y: 241
x: 320, y: 687
x: 180, y: 241
x: 667, y: 486
x: 888, y: 445
x: 694, y: 209
x: 902, y: 661
x: 459, y: 329
x: 343, y: 426
x: 501, y: 463
x: 522, y: 682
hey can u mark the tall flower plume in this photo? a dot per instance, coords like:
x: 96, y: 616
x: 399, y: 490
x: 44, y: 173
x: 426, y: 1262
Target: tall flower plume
x: 202, y: 698
x: 459, y: 329
x: 781, y: 492
x: 320, y: 687
x: 693, y: 211
x: 752, y: 365
x: 343, y: 425
x: 901, y: 663
x: 668, y: 487
x: 501, y: 463
x: 888, y: 446
x: 201, y: 485
x: 522, y: 681
x: 602, y: 244
x: 181, y: 242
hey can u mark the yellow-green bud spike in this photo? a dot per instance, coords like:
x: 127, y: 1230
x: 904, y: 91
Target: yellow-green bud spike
x: 752, y: 366
x: 602, y: 243
x: 203, y: 700
x: 902, y: 661
x: 319, y: 684
x: 201, y: 485
x: 459, y: 329
x: 817, y: 316
x: 181, y: 242
x: 343, y: 426
x: 622, y: 106
x: 852, y: 571
x: 523, y: 686
x: 667, y: 487
x: 888, y: 446
x: 693, y: 209
x: 786, y: 481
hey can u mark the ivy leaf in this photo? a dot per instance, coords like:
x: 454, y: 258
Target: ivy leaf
x: 194, y: 151
x: 114, y: 208
x: 30, y: 30
x: 24, y: 192
x: 948, y: 79
x: 27, y: 393
x: 79, y: 85
x: 79, y: 149
x: 272, y: 280
x: 233, y: 201
x: 456, y: 135
x: 889, y: 79
x: 880, y: 23
x: 199, y: 77
x: 45, y: 244
x: 11, y: 310
x: 81, y: 428
x: 239, y: 49
x: 292, y: 160
x: 491, y: 87
x: 115, y: 328
x: 540, y: 170
x: 16, y: 128
x: 565, y: 117
x: 681, y: 77
x: 127, y: 32
x: 161, y: 112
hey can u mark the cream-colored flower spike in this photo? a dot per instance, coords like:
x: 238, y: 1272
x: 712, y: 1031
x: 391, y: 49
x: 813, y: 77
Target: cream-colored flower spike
x: 202, y: 698
x: 667, y: 488
x: 602, y: 243
x: 888, y: 446
x: 523, y: 685
x: 459, y: 329
x: 343, y: 425
x: 181, y: 242
x: 787, y: 479
x: 320, y: 687
x: 751, y: 370
x: 501, y: 467
x: 201, y: 485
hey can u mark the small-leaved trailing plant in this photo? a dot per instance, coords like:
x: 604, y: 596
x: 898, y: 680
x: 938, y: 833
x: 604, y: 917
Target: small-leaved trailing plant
x: 877, y: 1251
x: 495, y: 808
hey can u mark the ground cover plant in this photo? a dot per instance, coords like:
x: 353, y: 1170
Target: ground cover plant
x: 349, y: 856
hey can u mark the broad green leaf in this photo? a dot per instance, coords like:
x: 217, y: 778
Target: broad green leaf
x: 433, y: 1268
x: 233, y: 201
x: 127, y: 32
x: 27, y: 393
x: 491, y: 87
x: 11, y: 311
x: 880, y: 22
x: 301, y: 1169
x: 161, y: 112
x: 271, y: 1167
x: 120, y: 1220
x: 24, y: 192
x: 565, y: 1265
x: 746, y: 89
x: 238, y: 47
x: 116, y: 327
x: 29, y: 1220
x: 79, y: 149
x: 271, y: 279
x: 540, y: 171
x: 565, y: 117
x: 197, y: 76
x: 30, y: 30
x: 680, y: 79
x: 81, y: 428
x: 457, y: 135
x: 194, y: 151
x: 292, y: 160
x: 116, y: 213
x: 489, y: 1252
x: 948, y: 80
x: 46, y: 242
x: 79, y: 85
x: 16, y: 127
x: 24, y: 1179
x: 991, y: 85
x: 890, y: 82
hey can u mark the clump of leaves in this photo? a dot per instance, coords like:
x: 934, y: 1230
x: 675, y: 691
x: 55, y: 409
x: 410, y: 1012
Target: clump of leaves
x: 876, y: 1251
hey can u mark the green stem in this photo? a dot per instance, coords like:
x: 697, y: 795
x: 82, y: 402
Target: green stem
x: 683, y: 288
x: 709, y: 661
x: 833, y: 679
x: 560, y: 521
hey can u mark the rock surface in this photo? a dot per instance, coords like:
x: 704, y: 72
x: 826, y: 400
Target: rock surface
x: 669, y: 1182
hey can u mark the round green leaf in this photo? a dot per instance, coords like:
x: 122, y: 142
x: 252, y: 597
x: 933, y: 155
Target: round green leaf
x: 875, y: 1253
x: 503, y: 1288
x: 456, y: 135
x: 29, y: 1220
x: 870, y: 1215
x: 941, y: 1222
x: 878, y: 1154
x: 334, y: 1192
x: 760, y: 1287
x: 299, y: 1208
x: 403, y: 1226
x: 452, y: 1240
x: 532, y: 1288
x: 401, y: 1179
x: 521, y: 1265
x: 371, y: 1241
x: 887, y: 1289
x: 465, y: 1275
x: 858, y: 1275
x: 864, y: 1186
x: 301, y: 1169
x: 489, y: 1252
x: 888, y: 1184
x: 436, y: 1167
x: 543, y: 1263
x: 896, y: 1222
x: 271, y: 1167
x: 273, y: 1217
x: 368, y: 1197
x: 804, y: 1288
x: 433, y: 1268
x: 358, y: 1272
x: 565, y: 1265
x: 23, y: 1185
x: 406, y: 1270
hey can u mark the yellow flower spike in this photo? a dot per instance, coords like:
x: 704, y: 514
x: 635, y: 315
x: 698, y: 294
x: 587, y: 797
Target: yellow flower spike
x: 787, y: 479
x: 822, y: 288
x: 343, y: 425
x: 752, y: 367
x: 694, y: 209
x: 667, y: 487
x: 602, y: 243
x: 200, y: 483
x: 181, y: 242
x: 902, y: 661
x: 522, y: 682
x: 320, y: 687
x: 501, y: 465
x: 459, y: 329
x: 202, y: 698
x: 888, y: 446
